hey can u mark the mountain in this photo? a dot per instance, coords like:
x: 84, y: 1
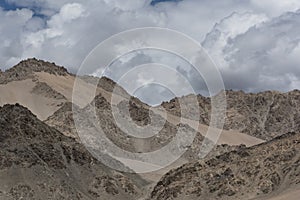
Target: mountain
x: 26, y: 69
x: 22, y: 84
x: 39, y: 162
x: 264, y: 115
x: 247, y: 173
x: 63, y: 121
x: 42, y: 152
x: 44, y: 88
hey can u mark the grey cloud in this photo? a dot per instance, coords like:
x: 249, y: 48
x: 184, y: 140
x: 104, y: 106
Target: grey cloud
x: 11, y: 27
x: 106, y: 17
x: 129, y: 62
x: 265, y: 57
x: 254, y: 50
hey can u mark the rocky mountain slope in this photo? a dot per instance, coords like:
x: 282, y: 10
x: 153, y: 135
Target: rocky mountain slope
x: 39, y: 162
x: 63, y: 120
x: 48, y: 160
x: 245, y: 173
x: 25, y: 69
x: 265, y: 115
x: 45, y: 88
x: 140, y: 114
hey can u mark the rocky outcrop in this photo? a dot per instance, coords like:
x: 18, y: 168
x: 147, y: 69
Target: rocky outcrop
x: 39, y: 162
x: 245, y: 173
x: 265, y: 115
x: 43, y: 89
x: 139, y: 115
x: 111, y: 86
x: 25, y: 70
x: 106, y: 84
x: 63, y: 120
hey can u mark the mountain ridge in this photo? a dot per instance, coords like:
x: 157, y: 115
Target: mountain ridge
x: 51, y: 164
x: 26, y: 68
x: 264, y: 115
x: 46, y: 144
x: 265, y: 169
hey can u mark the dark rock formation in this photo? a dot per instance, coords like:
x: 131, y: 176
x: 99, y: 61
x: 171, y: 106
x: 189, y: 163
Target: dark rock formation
x: 43, y: 89
x: 265, y: 115
x: 245, y: 173
x: 25, y: 69
x: 39, y: 162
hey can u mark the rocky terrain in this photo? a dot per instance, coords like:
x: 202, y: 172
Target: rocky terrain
x: 63, y: 120
x: 38, y: 162
x: 43, y: 89
x: 30, y: 148
x: 245, y: 173
x: 265, y: 115
x: 42, y: 155
x: 26, y: 68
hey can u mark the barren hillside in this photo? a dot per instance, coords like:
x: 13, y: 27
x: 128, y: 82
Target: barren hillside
x: 38, y: 162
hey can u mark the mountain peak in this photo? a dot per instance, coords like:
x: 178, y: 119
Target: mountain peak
x: 36, y: 65
x: 26, y: 69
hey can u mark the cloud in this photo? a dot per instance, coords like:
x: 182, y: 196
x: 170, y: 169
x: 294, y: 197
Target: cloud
x: 67, y: 13
x: 71, y: 30
x: 96, y: 20
x: 254, y: 42
x: 264, y: 57
x: 169, y: 78
x: 226, y: 30
x: 76, y: 28
x: 275, y: 8
x: 12, y: 25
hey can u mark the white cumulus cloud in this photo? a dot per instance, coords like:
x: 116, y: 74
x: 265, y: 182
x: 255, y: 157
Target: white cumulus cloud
x: 255, y: 43
x: 265, y: 57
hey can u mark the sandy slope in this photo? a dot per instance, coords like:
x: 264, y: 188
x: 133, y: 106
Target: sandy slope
x: 65, y: 84
x: 20, y: 92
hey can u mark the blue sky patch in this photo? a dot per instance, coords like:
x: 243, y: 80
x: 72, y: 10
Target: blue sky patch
x: 7, y: 6
x: 154, y: 2
x: 11, y: 6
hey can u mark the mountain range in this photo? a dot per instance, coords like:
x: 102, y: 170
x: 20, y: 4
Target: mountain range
x: 43, y: 156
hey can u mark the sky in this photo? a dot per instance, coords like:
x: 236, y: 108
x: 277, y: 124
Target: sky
x: 255, y: 44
